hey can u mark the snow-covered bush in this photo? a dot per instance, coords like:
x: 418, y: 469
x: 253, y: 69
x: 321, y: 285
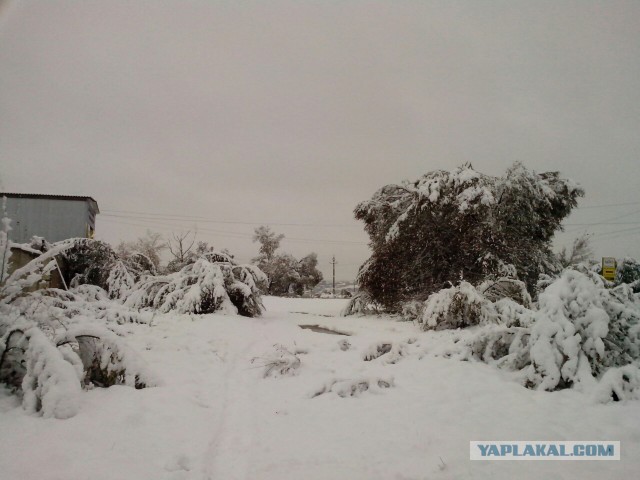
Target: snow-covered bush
x: 628, y: 272
x: 619, y: 384
x: 361, y: 304
x: 138, y: 265
x: 106, y: 359
x: 120, y: 281
x: 12, y: 364
x: 495, y: 290
x: 455, y: 307
x: 206, y: 286
x: 580, y: 330
x: 52, y: 340
x: 387, y: 352
x: 51, y: 383
x: 85, y: 302
x: 347, y: 388
x: 87, y: 261
x: 281, y: 362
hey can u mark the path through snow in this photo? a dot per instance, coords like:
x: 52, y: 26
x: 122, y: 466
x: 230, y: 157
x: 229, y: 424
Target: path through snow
x: 368, y: 406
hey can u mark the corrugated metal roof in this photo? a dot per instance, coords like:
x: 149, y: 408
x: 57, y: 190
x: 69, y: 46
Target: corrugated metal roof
x: 52, y: 197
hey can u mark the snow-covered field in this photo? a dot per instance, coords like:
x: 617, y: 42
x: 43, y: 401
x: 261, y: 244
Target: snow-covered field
x: 226, y: 411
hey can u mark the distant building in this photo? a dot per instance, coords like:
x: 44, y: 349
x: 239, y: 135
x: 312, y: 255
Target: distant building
x: 54, y: 217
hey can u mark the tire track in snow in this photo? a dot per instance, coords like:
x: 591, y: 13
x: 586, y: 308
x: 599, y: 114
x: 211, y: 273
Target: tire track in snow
x: 228, y: 453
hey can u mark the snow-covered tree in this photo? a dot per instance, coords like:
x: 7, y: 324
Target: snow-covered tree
x: 582, y: 334
x: 269, y: 242
x: 213, y: 283
x: 120, y: 281
x: 580, y: 252
x: 628, y: 272
x: 283, y: 274
x: 447, y: 227
x: 151, y: 245
x: 286, y: 274
x: 310, y: 276
x: 87, y: 261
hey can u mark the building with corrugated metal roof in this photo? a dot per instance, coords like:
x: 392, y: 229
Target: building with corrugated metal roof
x: 53, y: 217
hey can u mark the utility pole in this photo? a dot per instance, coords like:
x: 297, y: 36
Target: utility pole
x: 333, y: 263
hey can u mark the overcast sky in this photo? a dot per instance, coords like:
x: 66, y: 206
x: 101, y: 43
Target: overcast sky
x: 293, y: 112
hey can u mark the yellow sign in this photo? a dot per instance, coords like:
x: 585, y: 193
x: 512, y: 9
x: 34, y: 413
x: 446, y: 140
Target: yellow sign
x: 609, y: 268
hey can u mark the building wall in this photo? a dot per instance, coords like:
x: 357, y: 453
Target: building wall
x: 53, y: 219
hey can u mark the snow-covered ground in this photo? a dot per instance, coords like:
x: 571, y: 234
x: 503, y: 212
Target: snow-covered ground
x: 339, y: 413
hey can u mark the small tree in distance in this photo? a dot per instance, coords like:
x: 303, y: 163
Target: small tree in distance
x: 580, y: 252
x: 286, y: 274
x: 151, y: 245
x: 269, y: 242
x: 180, y: 245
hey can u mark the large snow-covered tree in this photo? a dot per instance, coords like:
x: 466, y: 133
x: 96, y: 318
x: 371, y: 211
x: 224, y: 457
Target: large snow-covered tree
x: 447, y: 227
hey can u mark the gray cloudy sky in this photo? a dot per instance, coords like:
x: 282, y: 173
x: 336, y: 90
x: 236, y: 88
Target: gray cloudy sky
x: 292, y: 112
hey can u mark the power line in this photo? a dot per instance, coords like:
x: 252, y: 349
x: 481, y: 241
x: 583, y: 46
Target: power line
x: 608, y: 205
x: 176, y: 217
x: 599, y: 223
x: 168, y: 226
x: 604, y: 234
x: 608, y: 222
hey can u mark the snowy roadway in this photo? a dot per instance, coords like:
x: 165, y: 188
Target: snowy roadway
x: 404, y: 415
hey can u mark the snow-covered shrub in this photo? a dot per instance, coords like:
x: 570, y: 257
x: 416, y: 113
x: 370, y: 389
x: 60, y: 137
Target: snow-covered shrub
x: 88, y: 261
x: 138, y: 264
x: 354, y: 387
x: 495, y: 290
x: 51, y: 383
x: 85, y: 302
x: 361, y: 304
x: 202, y: 287
x: 389, y: 353
x: 89, y: 293
x: 280, y: 362
x: 505, y: 346
x: 120, y: 281
x: 580, y: 330
x: 52, y: 339
x: 619, y: 384
x: 512, y: 314
x: 628, y: 272
x: 106, y: 359
x: 455, y: 307
x: 12, y: 363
